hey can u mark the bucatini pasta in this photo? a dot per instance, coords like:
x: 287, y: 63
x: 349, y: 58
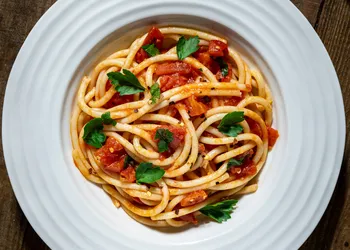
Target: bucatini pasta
x: 173, y: 127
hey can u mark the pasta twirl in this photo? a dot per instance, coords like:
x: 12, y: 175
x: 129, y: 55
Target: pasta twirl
x: 173, y: 129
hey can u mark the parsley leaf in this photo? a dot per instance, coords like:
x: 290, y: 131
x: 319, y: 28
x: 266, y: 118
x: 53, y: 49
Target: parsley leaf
x: 151, y: 49
x: 186, y: 47
x: 235, y: 162
x: 219, y: 211
x: 146, y: 173
x: 155, y: 92
x: 128, y: 160
x: 228, y: 124
x: 106, y: 118
x: 126, y: 83
x: 93, y: 134
x: 165, y: 137
x: 223, y: 66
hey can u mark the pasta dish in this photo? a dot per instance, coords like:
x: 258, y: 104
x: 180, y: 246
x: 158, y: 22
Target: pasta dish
x: 173, y: 128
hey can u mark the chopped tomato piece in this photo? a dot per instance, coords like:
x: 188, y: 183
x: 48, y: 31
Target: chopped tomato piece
x: 194, y: 198
x: 208, y: 62
x: 154, y: 36
x: 232, y: 100
x: 248, y: 168
x: 172, y: 81
x: 141, y: 55
x: 217, y: 48
x: 111, y: 155
x: 254, y: 127
x: 178, y: 135
x: 128, y: 174
x: 172, y: 111
x: 189, y: 218
x: 205, y: 59
x: 118, y: 165
x: 226, y: 78
x: 195, y: 107
x: 173, y: 67
x: 116, y: 98
x: 113, y: 145
x: 273, y: 135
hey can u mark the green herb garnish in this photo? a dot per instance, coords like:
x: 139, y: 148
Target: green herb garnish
x: 165, y: 137
x: 235, y: 162
x: 219, y: 211
x: 93, y: 134
x: 155, y: 92
x: 186, y: 47
x: 223, y: 66
x: 228, y: 124
x: 126, y: 83
x: 146, y: 173
x: 151, y: 49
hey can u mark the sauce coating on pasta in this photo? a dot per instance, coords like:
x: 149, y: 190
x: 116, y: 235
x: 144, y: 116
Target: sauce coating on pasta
x: 173, y: 127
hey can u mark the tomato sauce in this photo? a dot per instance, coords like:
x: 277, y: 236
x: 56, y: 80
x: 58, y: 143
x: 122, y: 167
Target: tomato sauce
x: 172, y: 81
x: 248, y: 168
x: 273, y: 136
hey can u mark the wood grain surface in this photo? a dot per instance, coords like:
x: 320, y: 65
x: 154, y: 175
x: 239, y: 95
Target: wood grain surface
x: 330, y: 19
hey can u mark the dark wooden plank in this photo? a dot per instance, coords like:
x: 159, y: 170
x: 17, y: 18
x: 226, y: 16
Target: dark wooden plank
x: 331, y: 19
x: 333, y: 27
x: 17, y: 17
x: 310, y: 9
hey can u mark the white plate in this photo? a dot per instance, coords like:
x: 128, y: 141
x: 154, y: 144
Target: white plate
x: 68, y: 212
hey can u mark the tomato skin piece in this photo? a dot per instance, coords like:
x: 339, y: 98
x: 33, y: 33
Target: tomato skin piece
x: 248, y: 168
x: 172, y: 81
x: 169, y: 68
x: 272, y: 135
x: 193, y: 198
x: 217, y: 48
x: 189, y: 218
x: 128, y: 174
x: 194, y: 107
x: 141, y: 55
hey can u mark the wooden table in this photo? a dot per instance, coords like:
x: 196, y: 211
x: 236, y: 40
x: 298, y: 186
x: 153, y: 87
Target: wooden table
x: 331, y: 20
